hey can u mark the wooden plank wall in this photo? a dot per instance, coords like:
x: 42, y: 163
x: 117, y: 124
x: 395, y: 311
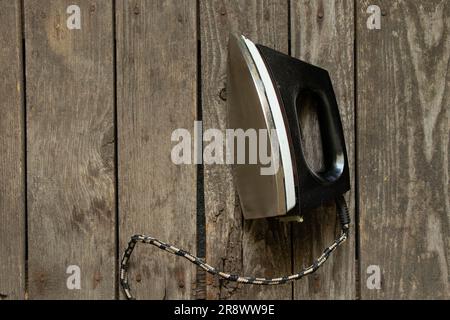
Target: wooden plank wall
x: 86, y: 118
x: 255, y: 247
x: 403, y: 132
x: 70, y: 149
x: 157, y: 93
x: 323, y: 34
x: 12, y: 164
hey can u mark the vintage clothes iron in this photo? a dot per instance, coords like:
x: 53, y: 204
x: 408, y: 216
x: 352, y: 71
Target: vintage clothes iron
x: 262, y: 93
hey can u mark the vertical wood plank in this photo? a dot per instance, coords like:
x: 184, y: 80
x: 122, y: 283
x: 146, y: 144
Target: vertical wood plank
x: 157, y: 93
x: 322, y: 33
x: 403, y: 134
x: 258, y: 247
x: 12, y: 200
x: 70, y: 149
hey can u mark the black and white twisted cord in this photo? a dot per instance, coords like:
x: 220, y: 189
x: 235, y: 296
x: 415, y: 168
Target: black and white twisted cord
x: 344, y: 220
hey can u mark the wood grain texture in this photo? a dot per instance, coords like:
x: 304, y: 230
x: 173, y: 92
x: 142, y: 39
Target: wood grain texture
x: 402, y: 122
x: 157, y: 93
x: 322, y: 33
x: 259, y: 247
x: 403, y: 130
x: 70, y: 149
x: 12, y: 196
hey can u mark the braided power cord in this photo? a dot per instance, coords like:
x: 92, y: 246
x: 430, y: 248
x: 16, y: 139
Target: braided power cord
x: 344, y: 219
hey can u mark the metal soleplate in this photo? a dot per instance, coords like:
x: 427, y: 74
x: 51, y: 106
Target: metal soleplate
x: 253, y: 104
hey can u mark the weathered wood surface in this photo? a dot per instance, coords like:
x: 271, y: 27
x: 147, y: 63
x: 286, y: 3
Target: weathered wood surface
x: 70, y: 149
x: 322, y: 33
x: 397, y: 139
x: 157, y: 93
x: 12, y: 170
x: 403, y: 148
x: 259, y: 247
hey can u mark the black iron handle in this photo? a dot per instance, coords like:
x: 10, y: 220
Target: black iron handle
x: 333, y: 144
